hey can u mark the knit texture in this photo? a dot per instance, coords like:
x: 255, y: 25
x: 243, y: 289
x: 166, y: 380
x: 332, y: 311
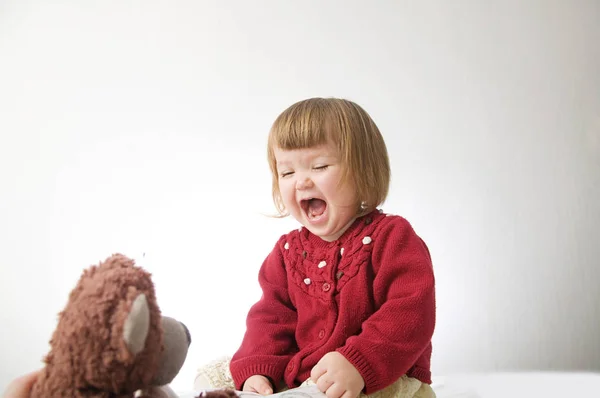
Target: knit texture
x: 370, y: 295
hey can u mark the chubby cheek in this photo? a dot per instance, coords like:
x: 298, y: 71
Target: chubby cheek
x: 329, y: 186
x: 288, y: 195
x: 347, y: 197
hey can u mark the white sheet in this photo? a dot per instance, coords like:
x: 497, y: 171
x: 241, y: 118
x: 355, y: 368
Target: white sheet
x: 512, y: 385
x: 519, y: 385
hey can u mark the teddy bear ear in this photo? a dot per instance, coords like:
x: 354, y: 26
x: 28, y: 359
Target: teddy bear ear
x: 137, y: 325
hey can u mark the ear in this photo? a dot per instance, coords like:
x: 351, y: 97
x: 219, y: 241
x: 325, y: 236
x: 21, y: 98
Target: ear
x: 137, y: 325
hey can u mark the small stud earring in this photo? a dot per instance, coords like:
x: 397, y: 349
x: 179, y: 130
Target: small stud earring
x: 363, y: 206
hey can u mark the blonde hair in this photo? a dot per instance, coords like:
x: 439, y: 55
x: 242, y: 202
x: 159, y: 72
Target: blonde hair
x: 363, y: 154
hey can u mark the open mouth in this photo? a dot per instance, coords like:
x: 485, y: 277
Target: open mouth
x: 314, y: 208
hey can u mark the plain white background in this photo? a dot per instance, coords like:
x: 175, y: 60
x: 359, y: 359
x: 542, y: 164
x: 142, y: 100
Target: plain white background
x: 140, y: 127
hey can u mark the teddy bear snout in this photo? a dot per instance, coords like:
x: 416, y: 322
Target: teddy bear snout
x: 187, y: 333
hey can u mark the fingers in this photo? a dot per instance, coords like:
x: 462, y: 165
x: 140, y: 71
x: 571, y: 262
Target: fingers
x: 263, y: 387
x: 21, y: 386
x: 338, y: 391
x: 335, y: 391
x: 316, y: 372
x: 324, y: 384
x: 258, y: 384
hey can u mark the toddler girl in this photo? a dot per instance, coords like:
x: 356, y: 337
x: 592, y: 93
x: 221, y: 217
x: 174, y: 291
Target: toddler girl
x: 348, y: 299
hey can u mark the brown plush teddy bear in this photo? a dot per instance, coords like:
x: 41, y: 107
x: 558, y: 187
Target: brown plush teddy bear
x: 111, y: 340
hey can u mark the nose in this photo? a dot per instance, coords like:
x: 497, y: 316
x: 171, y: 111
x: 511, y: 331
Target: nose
x: 187, y: 333
x: 303, y: 183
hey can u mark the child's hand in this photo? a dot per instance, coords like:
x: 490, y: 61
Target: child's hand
x: 336, y: 377
x: 259, y: 384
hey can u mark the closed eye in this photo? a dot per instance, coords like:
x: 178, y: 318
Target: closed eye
x: 286, y: 173
x: 324, y: 167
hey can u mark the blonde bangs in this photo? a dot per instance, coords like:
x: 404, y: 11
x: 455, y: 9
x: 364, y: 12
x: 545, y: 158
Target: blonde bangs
x: 302, y: 125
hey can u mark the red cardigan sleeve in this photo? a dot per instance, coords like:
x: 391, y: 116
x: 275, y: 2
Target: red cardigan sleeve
x: 396, y: 335
x: 269, y: 341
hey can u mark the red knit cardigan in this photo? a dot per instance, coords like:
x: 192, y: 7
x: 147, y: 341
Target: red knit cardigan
x: 369, y: 295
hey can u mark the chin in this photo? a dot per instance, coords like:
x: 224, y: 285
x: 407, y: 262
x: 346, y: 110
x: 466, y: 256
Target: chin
x: 325, y: 234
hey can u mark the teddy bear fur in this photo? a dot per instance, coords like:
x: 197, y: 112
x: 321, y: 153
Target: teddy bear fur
x: 110, y: 338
